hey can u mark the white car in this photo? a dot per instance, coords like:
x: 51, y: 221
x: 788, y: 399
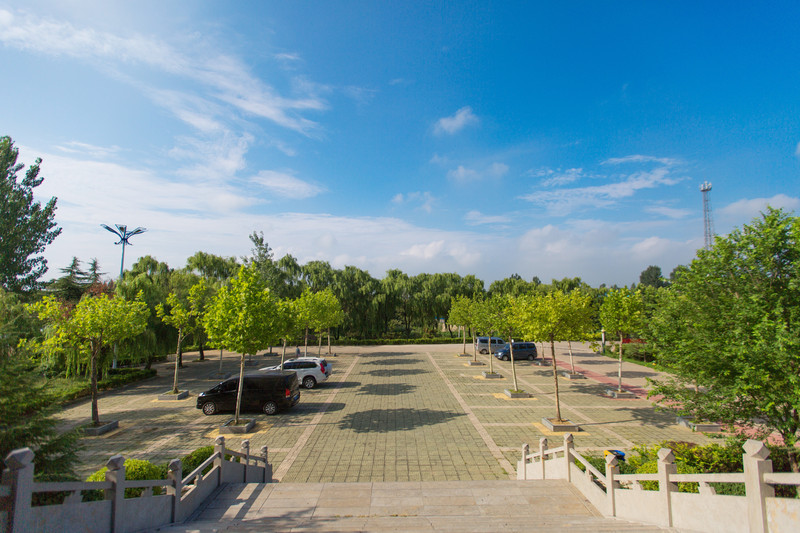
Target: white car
x: 310, y: 370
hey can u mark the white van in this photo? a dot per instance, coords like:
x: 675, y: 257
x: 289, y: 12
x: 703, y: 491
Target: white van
x: 487, y: 344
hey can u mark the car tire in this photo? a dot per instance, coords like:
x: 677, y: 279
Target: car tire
x: 270, y: 408
x: 505, y: 358
x: 483, y: 352
x: 309, y: 382
x: 209, y: 408
x: 531, y: 357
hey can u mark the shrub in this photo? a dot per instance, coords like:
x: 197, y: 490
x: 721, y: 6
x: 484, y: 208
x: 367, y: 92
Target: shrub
x: 135, y: 469
x: 195, y: 459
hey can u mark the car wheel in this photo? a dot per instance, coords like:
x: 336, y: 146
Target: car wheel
x: 484, y: 352
x: 505, y: 358
x: 309, y: 382
x: 209, y: 408
x: 270, y: 408
x: 531, y: 357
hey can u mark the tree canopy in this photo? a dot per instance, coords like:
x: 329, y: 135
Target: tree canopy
x: 26, y: 227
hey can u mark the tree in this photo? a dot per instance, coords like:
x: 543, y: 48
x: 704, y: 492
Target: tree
x: 212, y: 267
x: 26, y: 227
x: 95, y: 324
x: 729, y: 330
x: 328, y: 314
x: 579, y: 322
x: 199, y: 297
x: 460, y: 316
x: 547, y: 317
x: 651, y: 276
x: 242, y: 318
x: 622, y: 313
x: 180, y: 318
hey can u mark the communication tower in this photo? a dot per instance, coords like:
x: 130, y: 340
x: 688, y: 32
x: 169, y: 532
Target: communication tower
x: 708, y: 222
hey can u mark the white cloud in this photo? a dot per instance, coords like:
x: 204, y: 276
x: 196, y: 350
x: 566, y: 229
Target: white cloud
x: 667, y: 161
x: 285, y: 185
x: 797, y: 150
x: 565, y: 201
x: 424, y: 200
x: 464, y: 174
x: 566, y: 177
x: 453, y: 124
x: 97, y: 152
x: 748, y: 209
x: 425, y: 251
x: 476, y: 218
x: 669, y: 212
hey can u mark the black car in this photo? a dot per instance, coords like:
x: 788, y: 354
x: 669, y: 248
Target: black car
x: 267, y: 392
x: 522, y: 350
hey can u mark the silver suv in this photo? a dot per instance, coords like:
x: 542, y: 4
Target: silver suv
x: 310, y: 370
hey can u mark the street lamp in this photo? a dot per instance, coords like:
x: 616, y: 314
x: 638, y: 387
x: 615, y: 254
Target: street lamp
x: 123, y: 234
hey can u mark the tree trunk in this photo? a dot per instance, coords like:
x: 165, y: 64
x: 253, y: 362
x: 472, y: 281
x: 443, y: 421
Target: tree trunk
x: 175, y: 378
x: 571, y: 359
x: 239, y: 392
x: 202, y: 353
x: 619, y: 369
x: 179, y: 354
x: 513, y: 366
x: 329, y: 341
x: 306, y: 343
x: 555, y: 378
x: 95, y: 412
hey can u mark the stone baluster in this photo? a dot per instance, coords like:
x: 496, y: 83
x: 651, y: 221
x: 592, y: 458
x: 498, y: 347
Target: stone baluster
x: 219, y: 449
x: 267, y: 466
x: 116, y: 475
x: 666, y: 469
x: 757, y: 491
x: 18, y: 476
x: 175, y: 487
x: 526, y: 451
x: 568, y: 447
x: 543, y: 456
x: 612, y: 469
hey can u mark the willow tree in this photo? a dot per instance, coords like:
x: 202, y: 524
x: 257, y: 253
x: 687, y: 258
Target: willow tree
x: 242, y: 318
x: 90, y: 329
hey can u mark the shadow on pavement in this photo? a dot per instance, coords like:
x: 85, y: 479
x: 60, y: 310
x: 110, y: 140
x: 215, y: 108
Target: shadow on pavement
x: 387, y: 420
x: 397, y: 372
x: 387, y: 389
x: 392, y: 360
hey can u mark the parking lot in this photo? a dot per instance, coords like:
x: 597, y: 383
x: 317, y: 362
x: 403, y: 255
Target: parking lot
x: 388, y: 413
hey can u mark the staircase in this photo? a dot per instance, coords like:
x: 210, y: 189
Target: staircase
x: 491, y: 506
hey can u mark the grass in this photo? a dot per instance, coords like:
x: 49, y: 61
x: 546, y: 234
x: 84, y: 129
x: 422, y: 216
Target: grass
x: 69, y: 389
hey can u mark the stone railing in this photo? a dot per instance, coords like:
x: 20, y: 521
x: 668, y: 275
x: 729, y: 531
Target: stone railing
x: 179, y: 496
x: 621, y: 495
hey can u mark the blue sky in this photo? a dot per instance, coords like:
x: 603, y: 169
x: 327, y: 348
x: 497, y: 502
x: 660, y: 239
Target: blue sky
x: 488, y: 138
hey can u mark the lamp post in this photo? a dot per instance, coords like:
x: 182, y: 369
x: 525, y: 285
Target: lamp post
x: 123, y: 234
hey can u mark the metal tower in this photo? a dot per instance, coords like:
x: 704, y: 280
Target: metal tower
x: 708, y: 223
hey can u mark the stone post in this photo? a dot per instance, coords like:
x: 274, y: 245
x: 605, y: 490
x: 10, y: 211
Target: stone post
x: 116, y: 475
x: 612, y: 469
x: 542, y: 455
x: 526, y: 451
x: 757, y: 491
x: 219, y: 449
x: 666, y: 468
x: 568, y: 447
x: 18, y: 476
x: 175, y: 488
x: 267, y: 466
x: 245, y: 449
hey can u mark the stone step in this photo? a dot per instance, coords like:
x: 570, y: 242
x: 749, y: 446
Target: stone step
x: 451, y: 506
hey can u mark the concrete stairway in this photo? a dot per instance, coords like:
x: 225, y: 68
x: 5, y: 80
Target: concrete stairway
x: 490, y: 506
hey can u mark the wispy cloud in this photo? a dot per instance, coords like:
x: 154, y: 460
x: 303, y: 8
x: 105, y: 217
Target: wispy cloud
x: 423, y: 200
x: 465, y: 174
x: 81, y: 148
x: 455, y: 123
x: 476, y: 218
x: 669, y: 212
x: 557, y: 177
x: 640, y: 159
x: 565, y: 201
x: 285, y: 185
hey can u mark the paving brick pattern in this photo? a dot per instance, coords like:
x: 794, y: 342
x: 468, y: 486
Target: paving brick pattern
x: 393, y: 414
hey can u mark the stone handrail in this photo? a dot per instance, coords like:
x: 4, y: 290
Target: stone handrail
x: 116, y: 512
x: 621, y: 495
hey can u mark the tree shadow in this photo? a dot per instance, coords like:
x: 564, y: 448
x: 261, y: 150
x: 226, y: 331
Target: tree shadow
x: 387, y: 389
x: 389, y: 420
x: 397, y: 372
x: 330, y: 385
x: 393, y: 361
x: 316, y: 407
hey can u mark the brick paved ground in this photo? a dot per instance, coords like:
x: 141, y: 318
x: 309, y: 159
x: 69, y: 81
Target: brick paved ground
x: 400, y: 413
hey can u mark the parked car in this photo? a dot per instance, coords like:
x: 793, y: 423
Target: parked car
x: 522, y: 350
x: 268, y: 392
x: 310, y: 370
x: 487, y: 344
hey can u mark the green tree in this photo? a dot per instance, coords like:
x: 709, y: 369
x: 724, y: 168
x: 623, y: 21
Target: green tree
x: 460, y: 316
x: 622, y: 313
x: 580, y: 322
x: 95, y: 324
x: 329, y: 314
x: 242, y: 318
x: 180, y: 318
x: 26, y: 227
x: 27, y: 409
x: 212, y: 267
x: 546, y: 317
x: 199, y: 297
x: 729, y: 330
x: 651, y: 277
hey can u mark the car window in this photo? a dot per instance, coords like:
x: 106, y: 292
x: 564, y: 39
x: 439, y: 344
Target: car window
x: 229, y: 386
x: 308, y: 364
x: 290, y: 365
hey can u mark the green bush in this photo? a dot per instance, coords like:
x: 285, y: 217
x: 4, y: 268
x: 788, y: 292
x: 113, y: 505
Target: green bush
x: 193, y: 460
x: 135, y: 469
